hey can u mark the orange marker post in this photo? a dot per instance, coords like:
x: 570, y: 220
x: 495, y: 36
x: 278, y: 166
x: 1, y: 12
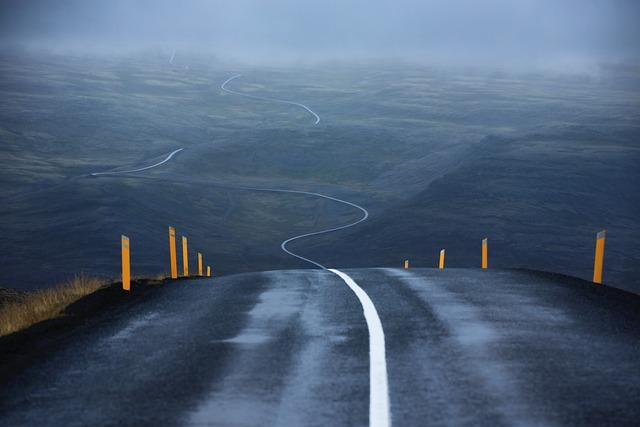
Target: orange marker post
x: 185, y: 257
x: 172, y: 253
x: 126, y: 263
x: 199, y: 264
x: 406, y: 263
x: 485, y: 254
x: 208, y: 271
x: 599, y: 258
x: 441, y: 263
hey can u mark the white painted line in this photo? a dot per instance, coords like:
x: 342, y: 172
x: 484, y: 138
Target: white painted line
x: 264, y: 98
x: 379, y: 412
x: 141, y: 169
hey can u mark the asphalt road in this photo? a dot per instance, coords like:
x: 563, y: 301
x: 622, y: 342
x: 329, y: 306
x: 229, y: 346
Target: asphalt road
x: 223, y: 87
x: 140, y: 169
x: 291, y: 348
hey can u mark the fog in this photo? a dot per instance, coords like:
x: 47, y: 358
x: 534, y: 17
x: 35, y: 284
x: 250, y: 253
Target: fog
x: 490, y: 32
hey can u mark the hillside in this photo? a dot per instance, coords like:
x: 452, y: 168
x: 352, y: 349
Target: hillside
x: 537, y: 163
x: 539, y: 199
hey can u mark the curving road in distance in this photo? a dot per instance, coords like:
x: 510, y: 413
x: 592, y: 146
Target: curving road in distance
x: 223, y: 86
x: 165, y: 160
x: 379, y: 406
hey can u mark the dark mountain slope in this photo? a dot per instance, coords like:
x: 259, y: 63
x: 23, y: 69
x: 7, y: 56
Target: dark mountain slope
x: 540, y: 199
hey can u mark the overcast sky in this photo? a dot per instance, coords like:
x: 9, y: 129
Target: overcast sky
x: 488, y: 31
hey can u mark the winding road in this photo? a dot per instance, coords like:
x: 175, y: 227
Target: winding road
x: 223, y: 86
x: 379, y: 408
x: 283, y: 245
x: 165, y: 160
x: 462, y: 347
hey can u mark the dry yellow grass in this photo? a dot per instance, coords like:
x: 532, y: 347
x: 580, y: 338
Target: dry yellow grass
x: 159, y: 277
x: 46, y: 304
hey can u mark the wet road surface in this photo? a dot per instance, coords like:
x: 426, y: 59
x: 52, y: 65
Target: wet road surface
x: 291, y: 348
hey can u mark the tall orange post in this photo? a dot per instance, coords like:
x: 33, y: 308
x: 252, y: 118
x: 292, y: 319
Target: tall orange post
x: 199, y: 264
x: 126, y: 263
x: 441, y: 263
x: 185, y: 257
x: 172, y: 253
x: 406, y: 263
x: 599, y: 258
x: 485, y: 254
x: 208, y: 271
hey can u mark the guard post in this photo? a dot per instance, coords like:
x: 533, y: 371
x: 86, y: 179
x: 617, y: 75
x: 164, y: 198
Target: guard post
x: 599, y: 258
x: 485, y: 254
x: 126, y: 263
x: 185, y: 257
x: 172, y: 253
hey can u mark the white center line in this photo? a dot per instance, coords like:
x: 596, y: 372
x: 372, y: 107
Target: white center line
x: 379, y: 413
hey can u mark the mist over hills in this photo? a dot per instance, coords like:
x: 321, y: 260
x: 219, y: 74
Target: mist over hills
x: 571, y: 35
x: 440, y: 158
x: 449, y: 120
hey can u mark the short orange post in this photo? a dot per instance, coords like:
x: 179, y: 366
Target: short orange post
x: 406, y: 263
x: 485, y: 254
x: 599, y: 258
x: 126, y: 263
x: 185, y: 257
x: 172, y: 253
x: 208, y: 271
x: 441, y: 263
x: 199, y: 264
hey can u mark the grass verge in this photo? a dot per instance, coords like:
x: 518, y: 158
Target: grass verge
x: 37, y: 306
